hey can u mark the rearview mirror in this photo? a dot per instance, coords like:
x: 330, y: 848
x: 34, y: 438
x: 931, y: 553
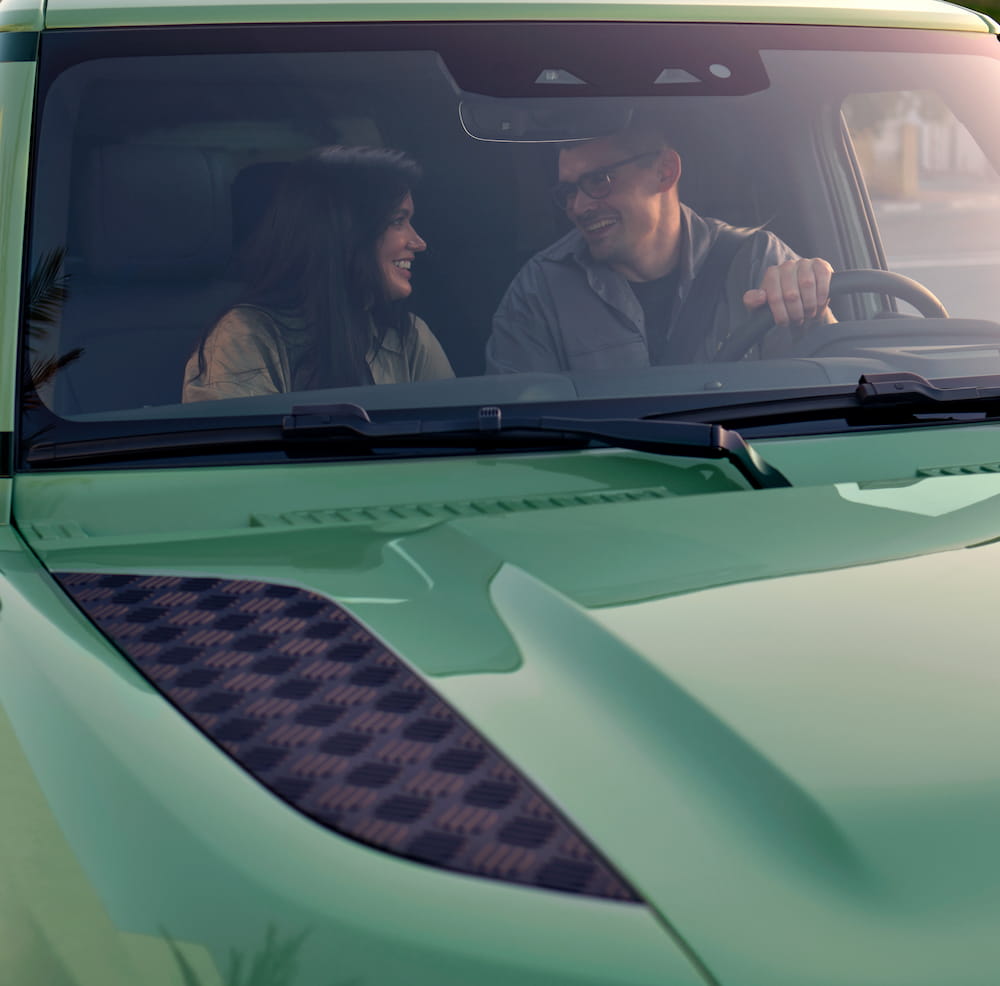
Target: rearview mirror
x: 542, y: 120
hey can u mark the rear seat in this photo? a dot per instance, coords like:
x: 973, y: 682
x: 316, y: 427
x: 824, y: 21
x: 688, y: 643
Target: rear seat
x: 152, y: 244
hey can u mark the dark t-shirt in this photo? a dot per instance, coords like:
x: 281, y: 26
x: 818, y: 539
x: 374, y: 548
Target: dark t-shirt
x: 657, y: 299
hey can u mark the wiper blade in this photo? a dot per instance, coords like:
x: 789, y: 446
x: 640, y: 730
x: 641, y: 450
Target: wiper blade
x: 914, y: 392
x: 118, y: 448
x: 348, y: 430
x: 877, y: 399
x: 493, y: 429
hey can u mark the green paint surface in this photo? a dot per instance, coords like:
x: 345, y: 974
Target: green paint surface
x: 758, y: 704
x: 892, y: 13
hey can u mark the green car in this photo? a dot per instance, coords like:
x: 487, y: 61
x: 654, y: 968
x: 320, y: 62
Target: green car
x: 499, y: 493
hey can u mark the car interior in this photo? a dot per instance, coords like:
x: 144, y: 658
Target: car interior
x: 156, y: 170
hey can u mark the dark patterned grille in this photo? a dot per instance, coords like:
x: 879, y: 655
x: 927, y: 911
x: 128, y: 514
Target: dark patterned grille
x: 324, y: 715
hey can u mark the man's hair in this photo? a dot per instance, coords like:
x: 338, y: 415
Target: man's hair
x: 638, y: 136
x: 641, y: 135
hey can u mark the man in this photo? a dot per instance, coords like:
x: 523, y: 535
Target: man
x: 642, y: 279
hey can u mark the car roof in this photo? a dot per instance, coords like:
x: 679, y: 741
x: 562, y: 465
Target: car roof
x: 929, y: 14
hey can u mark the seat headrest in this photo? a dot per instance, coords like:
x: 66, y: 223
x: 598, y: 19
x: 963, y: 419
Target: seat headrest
x: 155, y: 212
x: 253, y: 190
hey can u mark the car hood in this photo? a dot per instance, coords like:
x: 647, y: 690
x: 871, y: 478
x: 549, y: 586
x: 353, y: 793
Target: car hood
x: 775, y: 712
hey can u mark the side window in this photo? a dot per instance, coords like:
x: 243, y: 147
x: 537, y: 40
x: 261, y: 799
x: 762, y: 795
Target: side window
x: 936, y: 196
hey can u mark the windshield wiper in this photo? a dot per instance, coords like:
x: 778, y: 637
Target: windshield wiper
x: 877, y: 399
x: 348, y: 430
x: 493, y: 429
x: 917, y: 393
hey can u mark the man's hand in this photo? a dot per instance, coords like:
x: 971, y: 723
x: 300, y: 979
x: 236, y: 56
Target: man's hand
x: 797, y: 291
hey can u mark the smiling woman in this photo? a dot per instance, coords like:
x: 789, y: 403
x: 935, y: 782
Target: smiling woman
x: 327, y: 270
x: 396, y: 249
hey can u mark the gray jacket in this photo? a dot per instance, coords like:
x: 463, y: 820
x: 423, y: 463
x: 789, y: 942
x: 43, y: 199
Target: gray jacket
x: 564, y: 311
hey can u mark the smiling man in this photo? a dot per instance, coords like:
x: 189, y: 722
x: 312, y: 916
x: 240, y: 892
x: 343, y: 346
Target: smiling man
x: 642, y: 279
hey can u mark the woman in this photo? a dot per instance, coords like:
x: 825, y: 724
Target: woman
x: 327, y: 273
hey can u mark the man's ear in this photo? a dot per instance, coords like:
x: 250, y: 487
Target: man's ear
x: 669, y: 168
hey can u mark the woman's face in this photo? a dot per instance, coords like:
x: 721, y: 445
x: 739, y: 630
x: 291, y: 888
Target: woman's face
x: 395, y: 250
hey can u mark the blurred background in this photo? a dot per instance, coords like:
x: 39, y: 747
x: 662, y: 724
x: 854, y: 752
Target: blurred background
x: 991, y: 8
x: 936, y: 197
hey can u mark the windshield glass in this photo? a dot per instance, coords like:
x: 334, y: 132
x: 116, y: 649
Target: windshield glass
x: 232, y: 222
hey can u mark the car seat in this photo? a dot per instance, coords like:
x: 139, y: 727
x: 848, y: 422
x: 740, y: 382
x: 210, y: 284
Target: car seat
x: 149, y: 246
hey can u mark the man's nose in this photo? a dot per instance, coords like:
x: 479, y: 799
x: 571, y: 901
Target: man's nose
x: 579, y: 203
x: 574, y: 199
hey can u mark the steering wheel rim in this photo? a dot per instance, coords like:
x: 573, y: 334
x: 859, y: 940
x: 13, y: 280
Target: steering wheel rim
x: 760, y: 322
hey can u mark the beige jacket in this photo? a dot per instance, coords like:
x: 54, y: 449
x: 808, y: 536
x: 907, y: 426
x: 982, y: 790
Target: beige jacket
x: 250, y: 352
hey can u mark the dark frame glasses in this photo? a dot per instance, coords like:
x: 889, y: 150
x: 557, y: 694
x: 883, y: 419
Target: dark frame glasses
x: 596, y: 184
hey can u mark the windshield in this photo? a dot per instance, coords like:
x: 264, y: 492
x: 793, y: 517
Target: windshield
x: 234, y: 222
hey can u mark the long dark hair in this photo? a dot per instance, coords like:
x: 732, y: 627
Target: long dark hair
x: 314, y: 253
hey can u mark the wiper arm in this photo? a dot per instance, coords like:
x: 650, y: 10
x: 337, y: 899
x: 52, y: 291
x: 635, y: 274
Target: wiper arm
x: 347, y: 429
x: 493, y: 429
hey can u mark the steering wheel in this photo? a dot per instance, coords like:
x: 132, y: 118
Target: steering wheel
x: 760, y: 322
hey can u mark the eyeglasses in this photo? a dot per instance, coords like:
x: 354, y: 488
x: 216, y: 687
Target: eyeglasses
x: 596, y: 184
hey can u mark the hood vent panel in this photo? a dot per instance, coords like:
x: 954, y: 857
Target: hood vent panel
x: 307, y: 700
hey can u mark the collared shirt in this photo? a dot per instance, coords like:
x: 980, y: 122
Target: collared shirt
x: 251, y: 351
x: 565, y: 311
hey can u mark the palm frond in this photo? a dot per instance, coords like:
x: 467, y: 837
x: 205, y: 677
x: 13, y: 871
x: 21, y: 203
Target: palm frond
x: 41, y: 372
x: 188, y: 975
x: 47, y: 293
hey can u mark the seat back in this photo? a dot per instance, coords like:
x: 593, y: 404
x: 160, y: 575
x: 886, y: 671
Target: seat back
x: 150, y: 248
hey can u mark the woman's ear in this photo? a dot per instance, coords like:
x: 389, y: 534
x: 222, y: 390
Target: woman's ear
x: 669, y: 168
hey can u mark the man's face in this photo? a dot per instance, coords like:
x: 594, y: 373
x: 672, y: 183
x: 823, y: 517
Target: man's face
x: 624, y: 229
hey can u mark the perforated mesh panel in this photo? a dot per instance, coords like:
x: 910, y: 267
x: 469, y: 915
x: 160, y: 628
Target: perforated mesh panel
x: 325, y: 716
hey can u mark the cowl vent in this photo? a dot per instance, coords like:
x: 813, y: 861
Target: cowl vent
x: 428, y: 513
